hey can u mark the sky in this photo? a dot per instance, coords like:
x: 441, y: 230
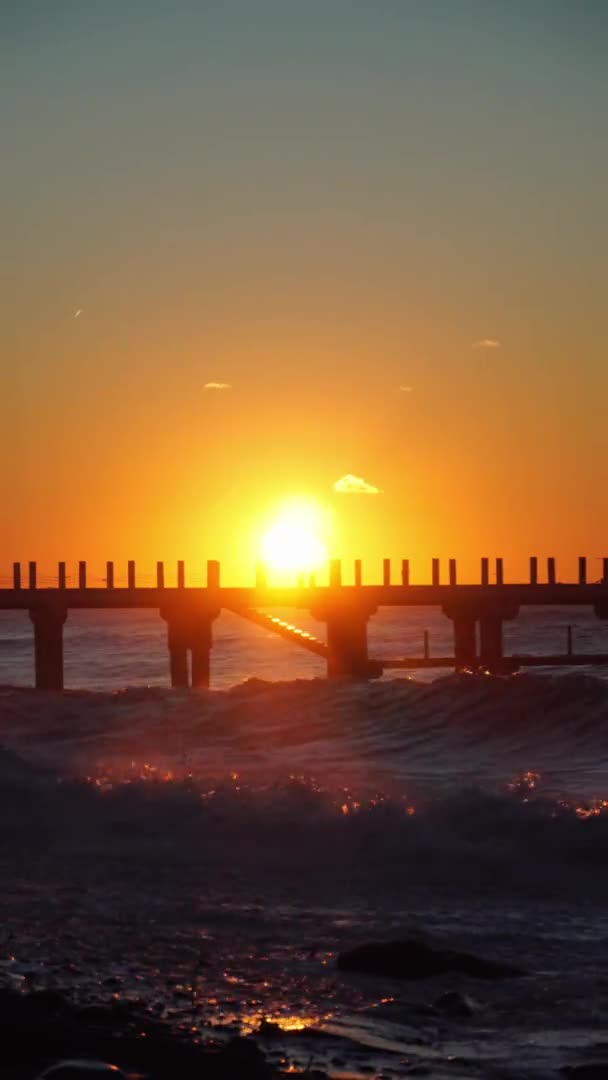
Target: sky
x: 381, y: 224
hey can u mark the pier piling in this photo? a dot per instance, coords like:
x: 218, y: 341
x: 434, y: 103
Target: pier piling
x: 48, y: 646
x: 465, y: 644
x: 490, y: 643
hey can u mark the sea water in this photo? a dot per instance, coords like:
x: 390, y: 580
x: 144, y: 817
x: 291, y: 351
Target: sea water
x: 208, y: 853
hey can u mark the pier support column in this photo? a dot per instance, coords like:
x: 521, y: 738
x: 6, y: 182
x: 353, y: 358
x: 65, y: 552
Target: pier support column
x: 465, y: 644
x: 347, y: 655
x: 48, y: 647
x: 178, y: 654
x: 189, y: 631
x: 464, y: 620
x: 201, y: 643
x: 347, y: 648
x: 490, y: 643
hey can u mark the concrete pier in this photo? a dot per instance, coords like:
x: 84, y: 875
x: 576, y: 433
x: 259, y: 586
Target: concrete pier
x: 48, y: 646
x: 345, y: 609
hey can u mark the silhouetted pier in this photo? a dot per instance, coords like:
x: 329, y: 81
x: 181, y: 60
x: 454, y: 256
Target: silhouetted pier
x: 478, y: 613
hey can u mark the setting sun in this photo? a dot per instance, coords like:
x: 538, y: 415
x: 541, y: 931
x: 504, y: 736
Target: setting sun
x: 293, y: 542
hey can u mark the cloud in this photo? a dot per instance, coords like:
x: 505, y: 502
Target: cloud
x: 355, y: 485
x: 78, y: 313
x: 487, y: 343
x: 218, y: 386
x: 406, y: 389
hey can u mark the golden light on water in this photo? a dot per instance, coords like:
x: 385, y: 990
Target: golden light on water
x: 294, y: 541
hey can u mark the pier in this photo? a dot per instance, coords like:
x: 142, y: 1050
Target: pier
x: 477, y: 612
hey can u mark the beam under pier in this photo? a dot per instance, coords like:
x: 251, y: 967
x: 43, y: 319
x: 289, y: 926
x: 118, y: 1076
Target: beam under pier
x: 48, y: 646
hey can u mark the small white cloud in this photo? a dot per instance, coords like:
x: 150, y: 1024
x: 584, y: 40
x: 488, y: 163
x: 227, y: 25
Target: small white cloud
x: 406, y: 389
x: 78, y: 313
x: 355, y: 485
x: 487, y: 343
x: 218, y: 386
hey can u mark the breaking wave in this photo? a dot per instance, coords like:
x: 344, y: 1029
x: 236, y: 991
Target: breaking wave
x: 496, y: 782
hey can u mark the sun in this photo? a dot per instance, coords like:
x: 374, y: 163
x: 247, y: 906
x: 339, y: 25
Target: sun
x: 294, y: 541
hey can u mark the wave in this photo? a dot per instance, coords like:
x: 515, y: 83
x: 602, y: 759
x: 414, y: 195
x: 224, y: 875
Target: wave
x: 458, y: 730
x: 472, y: 783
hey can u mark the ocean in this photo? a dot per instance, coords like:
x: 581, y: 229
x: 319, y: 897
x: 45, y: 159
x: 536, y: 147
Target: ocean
x: 207, y: 854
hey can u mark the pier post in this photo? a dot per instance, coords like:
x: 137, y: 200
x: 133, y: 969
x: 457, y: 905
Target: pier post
x: 48, y: 646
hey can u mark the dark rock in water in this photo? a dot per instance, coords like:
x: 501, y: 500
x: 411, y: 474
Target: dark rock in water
x: 596, y: 1071
x: 412, y: 959
x: 269, y: 1030
x: 243, y: 1057
x: 47, y: 1002
x: 452, y: 1003
x: 81, y: 1070
x: 43, y: 1028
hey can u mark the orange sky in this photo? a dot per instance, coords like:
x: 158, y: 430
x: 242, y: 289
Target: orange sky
x: 317, y: 210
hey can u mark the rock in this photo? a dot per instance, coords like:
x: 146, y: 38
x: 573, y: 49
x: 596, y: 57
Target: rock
x: 47, y: 1002
x: 269, y: 1030
x: 243, y: 1057
x: 452, y: 1003
x: 81, y: 1070
x: 410, y: 959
